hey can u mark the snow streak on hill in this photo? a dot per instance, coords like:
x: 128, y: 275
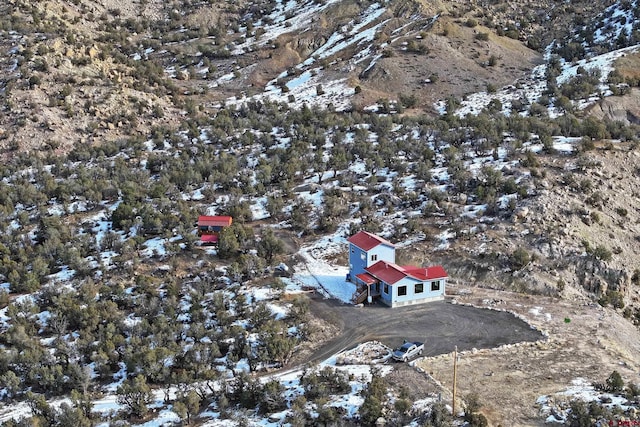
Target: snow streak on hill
x: 286, y: 17
x: 308, y: 82
x: 532, y: 88
x: 618, y: 26
x: 614, y: 34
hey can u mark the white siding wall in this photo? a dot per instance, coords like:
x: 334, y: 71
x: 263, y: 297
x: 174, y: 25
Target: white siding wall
x: 411, y: 296
x: 359, y: 259
x: 381, y: 253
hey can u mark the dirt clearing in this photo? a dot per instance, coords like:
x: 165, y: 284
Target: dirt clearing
x: 585, y: 340
x: 440, y: 325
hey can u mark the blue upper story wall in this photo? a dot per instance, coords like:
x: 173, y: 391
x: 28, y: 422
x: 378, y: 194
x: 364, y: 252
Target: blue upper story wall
x: 360, y: 259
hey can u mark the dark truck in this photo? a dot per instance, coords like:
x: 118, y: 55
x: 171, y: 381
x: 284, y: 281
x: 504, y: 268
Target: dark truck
x: 407, y: 351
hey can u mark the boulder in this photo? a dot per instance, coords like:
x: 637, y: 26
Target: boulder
x: 521, y: 214
x: 625, y: 109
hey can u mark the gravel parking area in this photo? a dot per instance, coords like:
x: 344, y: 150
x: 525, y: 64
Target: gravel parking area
x: 441, y: 325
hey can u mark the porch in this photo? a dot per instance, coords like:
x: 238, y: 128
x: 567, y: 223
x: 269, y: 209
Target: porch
x: 368, y: 288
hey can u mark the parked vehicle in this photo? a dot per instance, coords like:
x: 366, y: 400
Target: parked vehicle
x: 408, y: 350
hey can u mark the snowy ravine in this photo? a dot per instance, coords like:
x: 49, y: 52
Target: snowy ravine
x: 308, y: 82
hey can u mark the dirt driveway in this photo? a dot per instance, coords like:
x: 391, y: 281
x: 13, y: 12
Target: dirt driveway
x: 584, y: 341
x: 440, y: 325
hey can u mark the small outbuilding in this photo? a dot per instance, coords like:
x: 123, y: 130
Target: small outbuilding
x: 209, y: 227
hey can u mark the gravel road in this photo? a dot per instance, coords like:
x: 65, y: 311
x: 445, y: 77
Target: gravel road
x: 440, y: 325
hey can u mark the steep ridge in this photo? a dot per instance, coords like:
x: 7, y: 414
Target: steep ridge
x: 101, y: 70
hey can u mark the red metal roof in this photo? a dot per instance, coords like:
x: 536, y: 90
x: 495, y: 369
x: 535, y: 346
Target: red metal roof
x: 391, y: 273
x: 428, y: 273
x: 436, y: 272
x: 209, y: 238
x: 214, y: 221
x: 366, y: 241
x: 417, y: 272
x: 366, y: 278
x: 387, y: 272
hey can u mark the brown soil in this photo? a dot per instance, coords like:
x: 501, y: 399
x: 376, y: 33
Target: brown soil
x: 458, y: 59
x: 629, y: 65
x: 418, y: 386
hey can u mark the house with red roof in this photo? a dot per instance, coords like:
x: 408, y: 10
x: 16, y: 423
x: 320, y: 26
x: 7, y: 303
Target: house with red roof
x: 365, y: 249
x: 373, y: 269
x: 209, y: 227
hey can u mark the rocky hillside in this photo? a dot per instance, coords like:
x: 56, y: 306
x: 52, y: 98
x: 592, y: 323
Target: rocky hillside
x: 577, y: 237
x: 497, y: 138
x: 91, y: 73
x: 88, y: 72
x: 109, y: 73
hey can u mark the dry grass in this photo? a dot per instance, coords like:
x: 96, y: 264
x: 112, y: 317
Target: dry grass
x: 508, y: 381
x: 629, y: 65
x: 456, y: 56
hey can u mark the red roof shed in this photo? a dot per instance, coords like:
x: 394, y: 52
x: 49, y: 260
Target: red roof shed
x: 209, y: 238
x: 214, y: 221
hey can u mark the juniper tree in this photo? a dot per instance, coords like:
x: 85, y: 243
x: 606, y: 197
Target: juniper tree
x: 269, y: 245
x: 135, y: 394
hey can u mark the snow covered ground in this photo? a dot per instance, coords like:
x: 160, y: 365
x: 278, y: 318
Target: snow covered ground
x: 533, y: 87
x: 307, y: 89
x: 357, y: 363
x: 556, y: 409
x: 287, y: 16
x: 309, y: 84
x: 316, y: 272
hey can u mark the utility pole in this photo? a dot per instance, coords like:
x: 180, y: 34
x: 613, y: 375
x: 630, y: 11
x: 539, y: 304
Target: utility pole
x: 455, y: 374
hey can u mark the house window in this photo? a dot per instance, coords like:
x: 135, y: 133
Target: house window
x: 363, y: 256
x: 386, y: 289
x: 435, y: 285
x: 353, y: 250
x: 402, y: 291
x: 374, y: 257
x: 419, y: 288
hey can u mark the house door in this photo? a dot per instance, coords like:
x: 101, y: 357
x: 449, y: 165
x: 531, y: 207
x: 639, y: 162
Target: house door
x: 378, y: 287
